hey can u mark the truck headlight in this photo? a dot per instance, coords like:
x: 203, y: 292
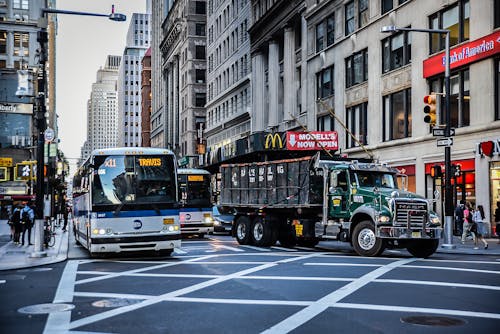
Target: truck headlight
x: 435, y: 220
x: 384, y: 219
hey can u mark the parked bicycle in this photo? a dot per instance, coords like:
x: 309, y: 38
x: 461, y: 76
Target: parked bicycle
x: 49, y: 236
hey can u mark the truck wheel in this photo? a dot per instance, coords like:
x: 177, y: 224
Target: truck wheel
x: 243, y: 230
x: 423, y: 248
x: 261, y: 232
x: 364, y: 241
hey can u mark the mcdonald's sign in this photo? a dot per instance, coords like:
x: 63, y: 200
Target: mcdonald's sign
x: 274, y: 141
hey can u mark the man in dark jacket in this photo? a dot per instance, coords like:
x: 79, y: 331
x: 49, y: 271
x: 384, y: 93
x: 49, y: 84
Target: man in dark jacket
x: 459, y: 218
x: 28, y: 218
x: 16, y: 221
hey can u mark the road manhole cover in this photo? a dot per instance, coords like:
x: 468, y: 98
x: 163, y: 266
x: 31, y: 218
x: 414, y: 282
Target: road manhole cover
x: 45, y: 308
x: 115, y: 302
x: 427, y: 320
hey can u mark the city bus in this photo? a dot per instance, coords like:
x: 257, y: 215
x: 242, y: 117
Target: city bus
x: 126, y: 200
x: 195, y: 214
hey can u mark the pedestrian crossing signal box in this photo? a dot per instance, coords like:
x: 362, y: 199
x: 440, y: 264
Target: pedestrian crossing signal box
x: 24, y: 171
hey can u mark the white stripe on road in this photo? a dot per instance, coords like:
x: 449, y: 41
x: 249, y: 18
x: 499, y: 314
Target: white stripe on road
x: 456, y: 269
x: 343, y: 264
x: 234, y: 249
x: 121, y: 310
x: 179, y: 251
x: 2, y: 281
x: 454, y: 285
x: 284, y: 249
x: 260, y: 249
x: 322, y: 304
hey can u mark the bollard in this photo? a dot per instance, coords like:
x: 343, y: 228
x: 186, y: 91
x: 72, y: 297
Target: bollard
x: 38, y: 248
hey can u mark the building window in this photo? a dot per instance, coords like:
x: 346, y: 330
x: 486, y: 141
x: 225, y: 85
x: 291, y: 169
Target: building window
x: 325, y: 82
x: 21, y: 44
x: 200, y: 29
x: 200, y: 52
x: 356, y: 68
x: 454, y: 18
x: 200, y: 7
x: 396, y: 51
x: 200, y: 99
x: 320, y: 36
x: 386, y: 6
x: 329, y: 25
x: 20, y: 4
x: 397, y: 115
x: 363, y: 13
x: 200, y: 75
x: 356, y: 122
x: 459, y: 98
x: 326, y: 123
x: 3, y: 42
x: 349, y: 18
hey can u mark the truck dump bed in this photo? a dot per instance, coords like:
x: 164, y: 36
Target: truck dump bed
x: 276, y: 184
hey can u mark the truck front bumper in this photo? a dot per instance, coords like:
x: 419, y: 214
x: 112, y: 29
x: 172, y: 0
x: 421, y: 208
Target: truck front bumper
x: 400, y: 232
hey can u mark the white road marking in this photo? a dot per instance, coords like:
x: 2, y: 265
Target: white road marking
x: 260, y: 249
x: 58, y: 322
x: 179, y: 251
x: 234, y: 249
x: 455, y: 285
x: 111, y: 295
x: 343, y: 264
x: 456, y: 269
x: 413, y: 309
x: 284, y: 249
x: 306, y: 314
x: 111, y: 313
x: 305, y: 248
x: 2, y: 281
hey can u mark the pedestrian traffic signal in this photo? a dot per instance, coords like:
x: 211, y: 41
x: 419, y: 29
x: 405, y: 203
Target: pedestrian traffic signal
x: 436, y: 172
x: 430, y: 109
x: 456, y: 169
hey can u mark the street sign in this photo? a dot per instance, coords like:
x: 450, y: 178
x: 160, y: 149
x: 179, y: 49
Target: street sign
x: 49, y: 135
x: 441, y: 132
x: 183, y: 161
x: 448, y: 141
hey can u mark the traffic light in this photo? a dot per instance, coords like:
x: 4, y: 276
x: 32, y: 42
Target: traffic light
x: 456, y: 169
x: 436, y: 172
x: 23, y: 171
x: 430, y: 109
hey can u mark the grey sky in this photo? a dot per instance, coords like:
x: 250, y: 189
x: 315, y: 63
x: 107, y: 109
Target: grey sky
x: 83, y: 42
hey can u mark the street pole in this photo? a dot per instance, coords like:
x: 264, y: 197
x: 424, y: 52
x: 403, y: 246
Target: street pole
x: 448, y: 194
x: 448, y: 200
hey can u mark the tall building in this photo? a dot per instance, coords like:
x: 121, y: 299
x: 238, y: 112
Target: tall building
x: 129, y: 83
x: 146, y: 100
x: 18, y: 51
x: 229, y: 95
x: 102, y: 109
x: 178, y: 120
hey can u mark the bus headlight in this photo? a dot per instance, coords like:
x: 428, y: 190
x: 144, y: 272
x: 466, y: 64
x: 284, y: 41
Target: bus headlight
x: 100, y: 231
x: 208, y: 219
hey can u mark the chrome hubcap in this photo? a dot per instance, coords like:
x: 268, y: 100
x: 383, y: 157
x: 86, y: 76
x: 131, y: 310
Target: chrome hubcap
x: 241, y: 231
x: 366, y: 239
x: 258, y: 231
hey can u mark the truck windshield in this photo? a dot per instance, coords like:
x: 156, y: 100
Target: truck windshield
x: 373, y: 179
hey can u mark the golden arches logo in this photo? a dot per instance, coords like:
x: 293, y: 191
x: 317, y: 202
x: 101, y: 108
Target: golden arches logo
x: 273, y: 141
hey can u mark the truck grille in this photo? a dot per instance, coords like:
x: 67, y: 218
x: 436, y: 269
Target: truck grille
x: 417, y: 208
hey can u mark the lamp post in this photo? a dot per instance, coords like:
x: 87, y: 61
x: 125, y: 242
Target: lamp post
x: 448, y: 204
x: 40, y: 115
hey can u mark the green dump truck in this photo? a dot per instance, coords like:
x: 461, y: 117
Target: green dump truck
x: 305, y: 200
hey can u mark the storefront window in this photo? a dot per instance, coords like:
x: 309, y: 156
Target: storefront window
x: 495, y: 187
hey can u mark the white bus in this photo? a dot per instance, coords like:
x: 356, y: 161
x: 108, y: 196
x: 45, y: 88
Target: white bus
x: 196, y: 204
x: 126, y: 199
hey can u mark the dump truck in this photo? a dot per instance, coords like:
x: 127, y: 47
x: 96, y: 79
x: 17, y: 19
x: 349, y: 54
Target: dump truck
x: 309, y: 199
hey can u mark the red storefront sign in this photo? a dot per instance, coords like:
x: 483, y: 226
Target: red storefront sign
x: 463, y: 54
x: 465, y: 165
x: 314, y: 140
x: 407, y: 170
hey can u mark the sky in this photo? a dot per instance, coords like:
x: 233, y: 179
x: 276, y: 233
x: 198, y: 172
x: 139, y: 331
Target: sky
x: 83, y: 43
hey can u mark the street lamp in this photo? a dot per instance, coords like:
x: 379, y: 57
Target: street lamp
x: 448, y: 204
x: 40, y: 116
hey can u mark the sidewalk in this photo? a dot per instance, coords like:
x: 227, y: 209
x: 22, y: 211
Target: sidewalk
x: 468, y: 247
x: 14, y: 256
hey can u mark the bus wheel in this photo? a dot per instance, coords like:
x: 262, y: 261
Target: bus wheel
x: 261, y: 232
x: 243, y: 230
x: 364, y: 240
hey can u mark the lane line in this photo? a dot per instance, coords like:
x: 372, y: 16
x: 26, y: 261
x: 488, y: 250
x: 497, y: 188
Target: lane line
x: 260, y: 249
x: 343, y: 264
x: 58, y: 322
x: 179, y: 251
x: 306, y: 314
x: 284, y: 249
x: 111, y: 295
x: 418, y: 310
x: 448, y: 284
x: 234, y: 249
x: 456, y: 269
x: 121, y: 310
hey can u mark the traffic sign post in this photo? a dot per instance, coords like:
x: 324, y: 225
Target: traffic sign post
x: 441, y: 132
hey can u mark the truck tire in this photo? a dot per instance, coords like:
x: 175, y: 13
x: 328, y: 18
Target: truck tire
x: 261, y: 232
x: 364, y: 241
x: 423, y: 248
x: 243, y: 230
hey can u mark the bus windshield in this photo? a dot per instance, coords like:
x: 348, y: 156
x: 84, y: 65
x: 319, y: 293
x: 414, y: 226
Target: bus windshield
x: 195, y: 190
x: 372, y: 179
x: 135, y: 180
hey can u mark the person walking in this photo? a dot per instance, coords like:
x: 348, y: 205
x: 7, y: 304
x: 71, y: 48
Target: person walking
x: 467, y: 226
x: 497, y: 221
x: 16, y: 221
x: 459, y: 218
x: 27, y: 217
x: 478, y: 218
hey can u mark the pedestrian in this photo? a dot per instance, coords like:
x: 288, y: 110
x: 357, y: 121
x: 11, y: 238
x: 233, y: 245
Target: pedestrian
x: 468, y: 225
x: 27, y: 218
x: 478, y: 218
x: 11, y: 225
x: 459, y: 217
x: 497, y: 221
x: 65, y: 216
x: 16, y: 221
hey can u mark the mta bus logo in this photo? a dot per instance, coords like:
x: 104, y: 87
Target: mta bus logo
x: 137, y: 224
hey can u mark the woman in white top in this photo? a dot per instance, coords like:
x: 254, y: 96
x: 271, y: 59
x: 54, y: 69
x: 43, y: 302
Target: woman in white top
x: 478, y: 218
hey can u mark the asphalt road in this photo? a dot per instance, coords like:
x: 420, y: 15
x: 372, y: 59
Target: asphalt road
x: 217, y: 286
